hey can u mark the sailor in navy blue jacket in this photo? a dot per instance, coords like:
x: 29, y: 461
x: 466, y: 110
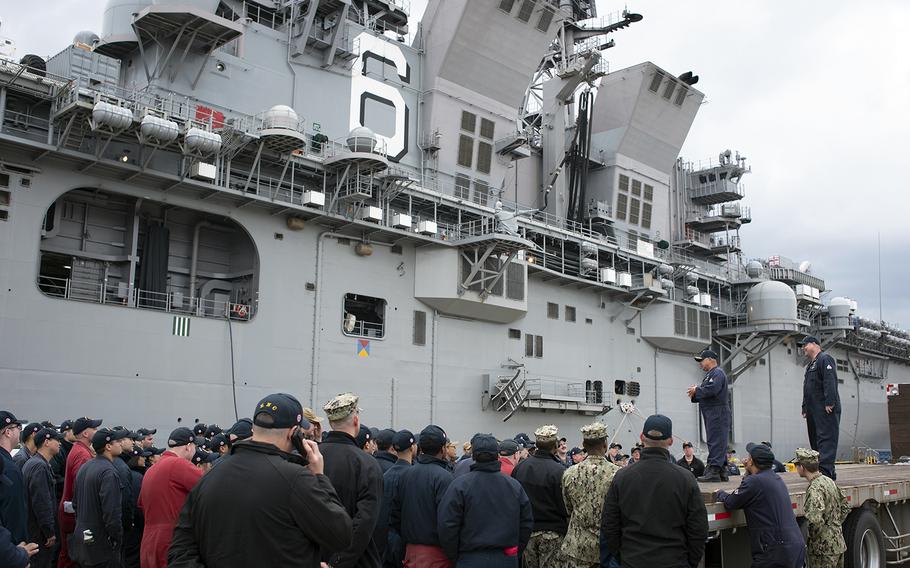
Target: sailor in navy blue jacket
x: 713, y: 401
x: 821, y: 404
x: 775, y: 537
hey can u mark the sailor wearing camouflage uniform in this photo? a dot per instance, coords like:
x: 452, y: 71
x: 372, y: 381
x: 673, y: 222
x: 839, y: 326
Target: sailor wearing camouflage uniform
x: 826, y: 508
x: 541, y: 477
x: 584, y: 488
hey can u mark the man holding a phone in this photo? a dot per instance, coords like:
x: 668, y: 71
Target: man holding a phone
x: 271, y: 495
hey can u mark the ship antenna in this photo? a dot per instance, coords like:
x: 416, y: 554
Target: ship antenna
x: 881, y: 318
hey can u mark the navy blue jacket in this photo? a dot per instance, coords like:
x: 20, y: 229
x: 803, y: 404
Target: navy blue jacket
x: 386, y: 460
x: 13, y: 508
x: 713, y: 389
x: 484, y: 510
x: 394, y: 550
x: 415, y: 504
x: 42, y: 502
x: 775, y: 537
x: 541, y: 477
x: 820, y: 384
x: 10, y: 554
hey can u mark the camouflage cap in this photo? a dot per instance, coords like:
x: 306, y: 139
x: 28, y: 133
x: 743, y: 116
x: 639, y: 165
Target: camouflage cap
x: 546, y: 433
x: 341, y: 407
x: 595, y: 431
x: 805, y: 455
x: 310, y: 415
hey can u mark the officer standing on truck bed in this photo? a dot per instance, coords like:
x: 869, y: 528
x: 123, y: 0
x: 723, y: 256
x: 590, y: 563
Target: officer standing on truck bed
x: 713, y: 401
x: 821, y: 404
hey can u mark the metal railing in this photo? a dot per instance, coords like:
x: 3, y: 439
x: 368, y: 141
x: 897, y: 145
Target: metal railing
x: 119, y: 295
x: 717, y: 187
x: 363, y: 328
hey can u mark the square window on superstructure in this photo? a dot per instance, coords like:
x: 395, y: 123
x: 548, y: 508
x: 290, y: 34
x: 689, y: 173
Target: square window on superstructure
x: 634, y: 206
x: 506, y: 6
x: 546, y: 18
x: 624, y: 183
x: 552, y: 310
x: 514, y: 334
x: 538, y: 346
x: 4, y: 180
x: 527, y: 8
x: 668, y: 90
x: 656, y: 80
x: 681, y: 96
x: 529, y: 345
x: 570, y: 313
x: 487, y: 127
x: 636, y: 188
x: 646, y: 215
x: 622, y: 204
x: 462, y: 187
x: 481, y: 192
x: 465, y: 151
x: 468, y: 121
x: 649, y: 192
x: 484, y: 157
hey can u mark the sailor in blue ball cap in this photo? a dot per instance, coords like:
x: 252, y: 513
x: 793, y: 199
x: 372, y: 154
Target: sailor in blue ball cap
x: 714, y: 404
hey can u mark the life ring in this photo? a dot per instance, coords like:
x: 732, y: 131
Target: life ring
x: 241, y: 310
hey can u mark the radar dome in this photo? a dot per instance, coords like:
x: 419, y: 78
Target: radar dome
x: 280, y: 116
x: 754, y: 269
x: 770, y: 302
x: 86, y: 37
x: 362, y: 139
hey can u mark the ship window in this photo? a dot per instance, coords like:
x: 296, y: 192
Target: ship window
x: 704, y: 325
x: 623, y: 183
x: 649, y: 192
x: 679, y: 320
x: 4, y: 215
x: 646, y: 215
x: 656, y: 80
x: 538, y: 346
x: 515, y: 285
x: 634, y: 208
x: 420, y: 327
x: 484, y: 157
x: 4, y: 180
x: 468, y: 121
x: 589, y: 321
x: 514, y: 334
x: 465, y: 150
x: 681, y: 95
x: 636, y: 188
x: 619, y: 387
x: 462, y: 187
x: 363, y: 316
x: 481, y: 192
x: 546, y: 18
x: 668, y: 90
x: 529, y: 345
x: 570, y: 313
x: 487, y: 128
x: 506, y: 6
x: 622, y: 203
x: 4, y: 197
x: 691, y: 322
x: 552, y: 310
x: 527, y: 8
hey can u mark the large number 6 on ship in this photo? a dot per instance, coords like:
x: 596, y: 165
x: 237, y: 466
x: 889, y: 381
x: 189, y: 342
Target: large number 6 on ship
x: 365, y: 88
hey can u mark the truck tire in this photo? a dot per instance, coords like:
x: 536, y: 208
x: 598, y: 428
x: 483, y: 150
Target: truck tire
x: 865, y: 543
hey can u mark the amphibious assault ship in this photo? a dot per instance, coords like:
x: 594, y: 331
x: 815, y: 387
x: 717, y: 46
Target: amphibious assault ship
x: 468, y: 220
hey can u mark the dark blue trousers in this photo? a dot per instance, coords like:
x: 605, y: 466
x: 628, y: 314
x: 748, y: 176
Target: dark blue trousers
x: 717, y: 432
x: 824, y: 431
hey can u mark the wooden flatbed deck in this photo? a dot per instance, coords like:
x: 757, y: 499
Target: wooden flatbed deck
x: 883, y: 483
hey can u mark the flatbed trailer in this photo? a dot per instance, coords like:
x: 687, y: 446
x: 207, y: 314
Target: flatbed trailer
x: 874, y: 530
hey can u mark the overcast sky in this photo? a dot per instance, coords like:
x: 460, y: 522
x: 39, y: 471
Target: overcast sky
x: 815, y: 93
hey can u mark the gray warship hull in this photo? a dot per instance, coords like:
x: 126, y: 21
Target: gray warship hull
x: 151, y: 280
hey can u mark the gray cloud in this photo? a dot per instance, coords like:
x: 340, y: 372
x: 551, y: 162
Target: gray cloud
x: 813, y: 92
